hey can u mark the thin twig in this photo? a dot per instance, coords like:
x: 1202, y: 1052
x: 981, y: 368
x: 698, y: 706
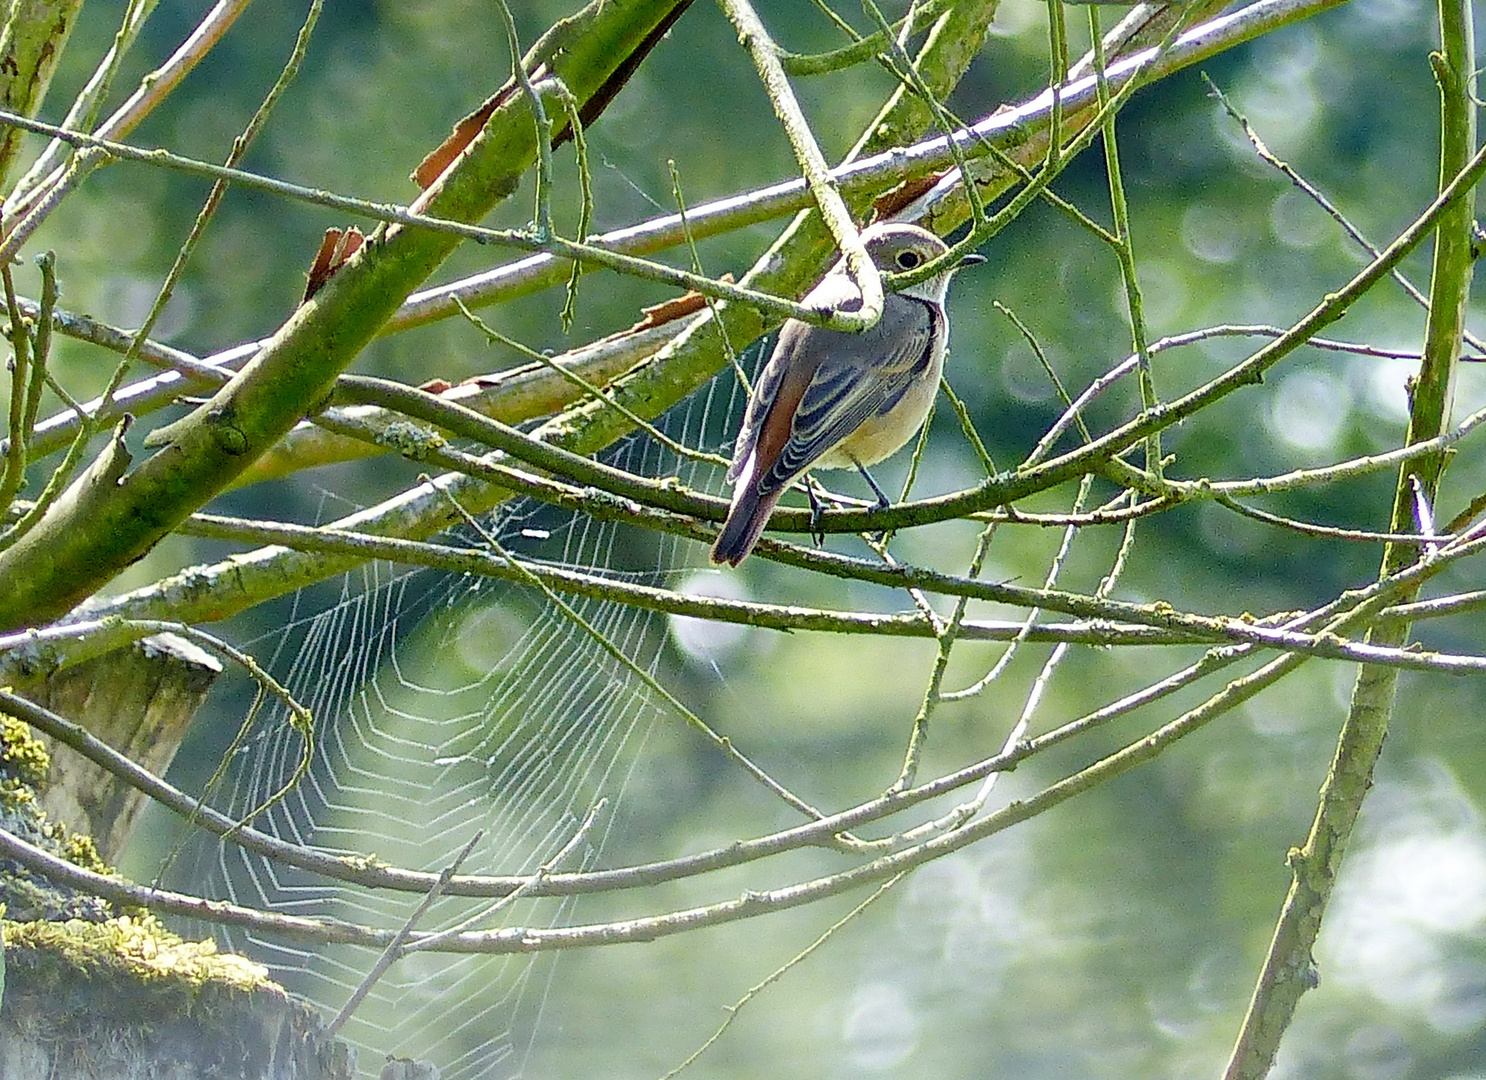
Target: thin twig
x: 19, y: 334
x: 585, y: 187
x: 778, y: 973
x: 696, y: 265
x: 933, y: 692
x: 1125, y: 250
x: 394, y: 949
x: 533, y: 881
x: 1319, y: 198
x: 153, y: 89
x: 542, y: 219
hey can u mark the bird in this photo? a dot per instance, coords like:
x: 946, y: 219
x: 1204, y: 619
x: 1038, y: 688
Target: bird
x: 834, y: 399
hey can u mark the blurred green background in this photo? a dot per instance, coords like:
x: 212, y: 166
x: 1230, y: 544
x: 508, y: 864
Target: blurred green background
x: 1119, y: 935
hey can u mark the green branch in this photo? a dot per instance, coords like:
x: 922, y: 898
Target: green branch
x: 95, y: 530
x: 1288, y: 969
x: 35, y: 33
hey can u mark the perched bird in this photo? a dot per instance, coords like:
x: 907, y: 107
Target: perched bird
x: 832, y: 399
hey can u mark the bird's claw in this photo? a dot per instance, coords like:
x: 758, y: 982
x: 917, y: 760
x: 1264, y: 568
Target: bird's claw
x: 817, y: 508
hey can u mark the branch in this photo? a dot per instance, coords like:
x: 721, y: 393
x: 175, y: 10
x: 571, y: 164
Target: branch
x: 1289, y: 969
x: 93, y: 532
x: 520, y: 939
x: 813, y: 167
x: 858, y: 180
x: 36, y: 32
x: 1183, y: 627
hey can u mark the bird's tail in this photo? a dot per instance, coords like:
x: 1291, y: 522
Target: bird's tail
x: 746, y: 520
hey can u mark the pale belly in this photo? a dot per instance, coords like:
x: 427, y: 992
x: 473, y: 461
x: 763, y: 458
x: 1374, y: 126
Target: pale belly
x: 881, y: 436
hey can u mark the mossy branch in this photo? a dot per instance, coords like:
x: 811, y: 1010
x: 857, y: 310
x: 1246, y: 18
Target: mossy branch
x: 96, y: 530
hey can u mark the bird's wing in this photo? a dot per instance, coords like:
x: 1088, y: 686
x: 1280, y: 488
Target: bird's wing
x: 851, y: 378
x: 782, y: 380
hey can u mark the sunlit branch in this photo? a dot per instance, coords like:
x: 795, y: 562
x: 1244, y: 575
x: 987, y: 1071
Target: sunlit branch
x: 709, y: 219
x: 98, y: 148
x: 813, y: 168
x: 153, y: 89
x: 1199, y: 628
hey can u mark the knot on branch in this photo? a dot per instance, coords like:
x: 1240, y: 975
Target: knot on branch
x: 226, y: 434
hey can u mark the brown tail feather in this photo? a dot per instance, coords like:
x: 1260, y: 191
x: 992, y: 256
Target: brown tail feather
x: 746, y: 521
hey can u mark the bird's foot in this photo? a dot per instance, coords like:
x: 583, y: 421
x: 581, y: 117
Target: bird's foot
x: 817, y: 508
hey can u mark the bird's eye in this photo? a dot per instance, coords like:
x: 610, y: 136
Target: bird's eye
x: 907, y: 260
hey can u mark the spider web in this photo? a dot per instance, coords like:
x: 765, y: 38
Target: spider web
x: 447, y: 706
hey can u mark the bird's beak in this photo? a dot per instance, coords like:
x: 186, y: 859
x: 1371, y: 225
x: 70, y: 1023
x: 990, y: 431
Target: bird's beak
x: 972, y: 259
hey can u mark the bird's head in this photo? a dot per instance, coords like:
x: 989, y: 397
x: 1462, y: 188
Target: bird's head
x: 900, y: 248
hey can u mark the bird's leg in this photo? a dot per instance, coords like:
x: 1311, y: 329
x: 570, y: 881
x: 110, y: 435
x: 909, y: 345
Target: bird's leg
x: 883, y: 502
x: 816, y: 509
